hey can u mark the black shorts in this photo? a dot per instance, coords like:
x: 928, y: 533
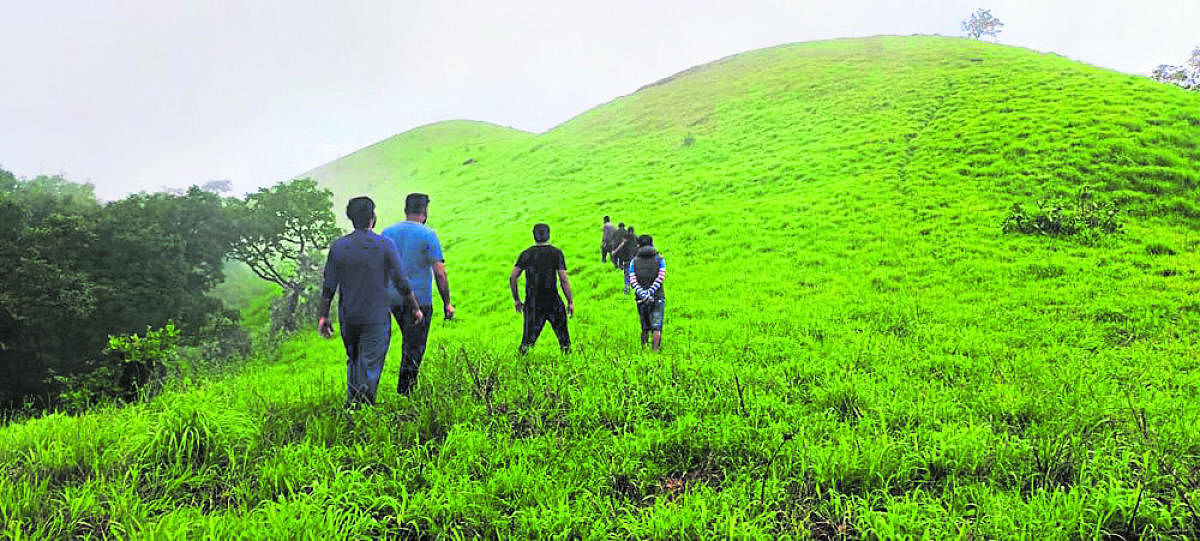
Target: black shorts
x: 651, y: 314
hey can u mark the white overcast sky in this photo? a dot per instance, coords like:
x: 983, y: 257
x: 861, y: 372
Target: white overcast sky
x: 137, y: 95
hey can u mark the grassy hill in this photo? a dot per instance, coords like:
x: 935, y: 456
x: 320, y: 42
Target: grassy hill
x: 853, y: 347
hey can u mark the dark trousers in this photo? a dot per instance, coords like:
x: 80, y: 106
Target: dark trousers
x: 604, y: 253
x: 413, y: 337
x: 366, y: 349
x: 537, y: 313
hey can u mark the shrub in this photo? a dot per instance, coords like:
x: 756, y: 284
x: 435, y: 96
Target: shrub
x: 1084, y: 215
x: 132, y: 364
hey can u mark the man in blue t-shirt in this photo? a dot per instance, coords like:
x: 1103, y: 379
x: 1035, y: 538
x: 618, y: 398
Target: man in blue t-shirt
x: 421, y: 262
x: 363, y: 266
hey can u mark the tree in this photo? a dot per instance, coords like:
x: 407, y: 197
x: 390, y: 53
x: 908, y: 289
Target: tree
x: 281, y: 229
x: 982, y: 23
x: 217, y: 186
x: 1186, y: 76
x: 74, y: 272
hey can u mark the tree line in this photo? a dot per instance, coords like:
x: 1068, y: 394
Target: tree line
x: 86, y: 287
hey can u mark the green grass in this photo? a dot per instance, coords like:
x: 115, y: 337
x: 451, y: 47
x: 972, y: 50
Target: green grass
x: 853, y: 348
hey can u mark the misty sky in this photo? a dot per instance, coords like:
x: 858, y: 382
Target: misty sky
x: 138, y: 95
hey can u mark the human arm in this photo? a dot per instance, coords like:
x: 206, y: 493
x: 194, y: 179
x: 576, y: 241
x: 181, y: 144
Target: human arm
x: 512, y: 284
x: 648, y: 292
x: 435, y: 259
x: 630, y: 278
x: 443, y: 285
x: 328, y: 287
x: 566, y: 287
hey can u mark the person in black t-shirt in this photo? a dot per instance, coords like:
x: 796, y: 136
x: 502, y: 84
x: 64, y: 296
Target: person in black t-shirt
x: 543, y: 265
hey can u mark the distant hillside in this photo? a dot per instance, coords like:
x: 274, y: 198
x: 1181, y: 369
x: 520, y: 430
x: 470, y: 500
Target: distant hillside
x: 812, y: 160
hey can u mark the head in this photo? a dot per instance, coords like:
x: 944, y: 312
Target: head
x: 416, y: 207
x: 607, y: 219
x: 645, y: 240
x: 621, y: 225
x: 541, y: 233
x: 361, y: 211
x: 629, y: 230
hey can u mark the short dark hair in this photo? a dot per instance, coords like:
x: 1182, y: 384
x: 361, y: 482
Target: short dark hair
x: 541, y: 233
x: 621, y: 225
x: 645, y: 240
x: 360, y: 210
x: 629, y: 230
x: 606, y: 218
x: 416, y: 203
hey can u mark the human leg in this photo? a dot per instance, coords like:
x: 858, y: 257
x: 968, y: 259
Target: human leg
x: 643, y: 309
x: 557, y: 315
x: 373, y: 344
x: 350, y: 341
x: 534, y: 321
x: 413, y: 338
x: 656, y: 322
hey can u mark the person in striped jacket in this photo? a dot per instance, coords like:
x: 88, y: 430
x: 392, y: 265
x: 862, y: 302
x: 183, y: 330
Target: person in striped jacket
x: 645, y: 276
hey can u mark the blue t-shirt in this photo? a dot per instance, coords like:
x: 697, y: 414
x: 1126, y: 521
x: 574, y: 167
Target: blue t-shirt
x: 419, y: 250
x: 363, y: 265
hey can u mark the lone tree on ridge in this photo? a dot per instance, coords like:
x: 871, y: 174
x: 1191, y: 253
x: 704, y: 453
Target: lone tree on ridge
x: 981, y: 23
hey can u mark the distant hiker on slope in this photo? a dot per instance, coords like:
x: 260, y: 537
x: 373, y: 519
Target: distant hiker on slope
x: 626, y: 248
x: 606, y: 240
x: 617, y: 235
x: 421, y: 262
x: 363, y: 266
x: 645, y: 275
x: 543, y: 265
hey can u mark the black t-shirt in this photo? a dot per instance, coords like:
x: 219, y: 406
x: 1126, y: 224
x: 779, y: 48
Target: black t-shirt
x: 541, y: 264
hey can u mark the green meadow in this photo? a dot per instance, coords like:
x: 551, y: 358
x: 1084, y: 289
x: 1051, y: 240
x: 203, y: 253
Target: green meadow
x: 854, y: 347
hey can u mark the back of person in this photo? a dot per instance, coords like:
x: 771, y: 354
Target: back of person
x: 350, y: 258
x: 541, y: 264
x: 646, y: 267
x: 630, y: 248
x: 419, y: 249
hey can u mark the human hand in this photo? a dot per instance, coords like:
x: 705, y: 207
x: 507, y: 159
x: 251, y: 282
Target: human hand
x: 325, y: 327
x: 571, y: 309
x: 449, y: 310
x: 418, y: 316
x: 519, y: 306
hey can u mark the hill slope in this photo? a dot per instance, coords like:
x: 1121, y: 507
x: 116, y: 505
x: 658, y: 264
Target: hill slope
x: 853, y: 347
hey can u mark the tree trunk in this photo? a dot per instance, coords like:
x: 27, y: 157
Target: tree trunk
x: 293, y: 300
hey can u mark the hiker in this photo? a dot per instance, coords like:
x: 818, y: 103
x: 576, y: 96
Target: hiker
x: 363, y: 266
x: 646, y: 274
x: 613, y: 242
x: 627, y: 248
x: 543, y: 266
x: 606, y: 240
x: 422, y: 263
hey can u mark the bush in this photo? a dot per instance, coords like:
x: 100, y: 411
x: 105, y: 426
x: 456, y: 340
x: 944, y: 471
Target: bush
x: 131, y: 365
x: 1084, y: 215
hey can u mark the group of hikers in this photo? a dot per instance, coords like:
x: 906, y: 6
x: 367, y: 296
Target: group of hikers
x: 381, y: 276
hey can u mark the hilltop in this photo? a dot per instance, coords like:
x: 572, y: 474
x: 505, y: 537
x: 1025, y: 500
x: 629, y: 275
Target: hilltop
x: 853, y: 345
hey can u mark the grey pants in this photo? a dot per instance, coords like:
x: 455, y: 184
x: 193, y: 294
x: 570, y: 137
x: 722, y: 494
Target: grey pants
x: 366, y: 349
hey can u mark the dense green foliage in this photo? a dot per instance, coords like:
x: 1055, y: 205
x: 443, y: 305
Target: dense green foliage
x: 75, y: 272
x: 853, y: 346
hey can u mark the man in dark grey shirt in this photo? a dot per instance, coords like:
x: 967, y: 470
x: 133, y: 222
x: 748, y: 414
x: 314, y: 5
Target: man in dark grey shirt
x: 360, y: 264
